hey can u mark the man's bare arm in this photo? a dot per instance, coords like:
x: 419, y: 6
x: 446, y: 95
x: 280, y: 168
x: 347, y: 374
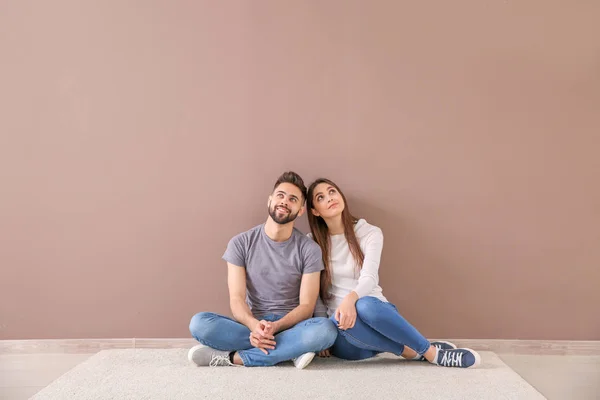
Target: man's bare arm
x: 309, y: 291
x: 236, y: 280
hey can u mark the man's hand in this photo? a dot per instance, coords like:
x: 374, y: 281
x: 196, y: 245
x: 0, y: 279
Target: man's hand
x: 272, y: 328
x: 346, y: 312
x: 262, y: 336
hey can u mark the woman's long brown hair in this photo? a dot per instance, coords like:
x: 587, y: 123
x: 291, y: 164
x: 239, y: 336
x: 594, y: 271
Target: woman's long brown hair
x: 320, y: 234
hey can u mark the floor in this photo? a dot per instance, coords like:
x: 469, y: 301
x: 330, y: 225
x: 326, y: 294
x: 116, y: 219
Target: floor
x: 556, y: 377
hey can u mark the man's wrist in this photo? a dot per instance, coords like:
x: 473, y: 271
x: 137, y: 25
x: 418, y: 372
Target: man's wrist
x: 276, y: 326
x: 252, y: 323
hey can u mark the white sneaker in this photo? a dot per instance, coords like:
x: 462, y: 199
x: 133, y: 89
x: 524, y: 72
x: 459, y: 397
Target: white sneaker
x: 202, y: 355
x: 302, y: 361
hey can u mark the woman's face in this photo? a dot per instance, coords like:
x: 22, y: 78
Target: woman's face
x: 327, y: 201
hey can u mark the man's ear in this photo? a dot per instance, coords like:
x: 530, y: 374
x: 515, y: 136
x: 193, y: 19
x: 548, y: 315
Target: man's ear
x: 269, y: 200
x: 302, y: 211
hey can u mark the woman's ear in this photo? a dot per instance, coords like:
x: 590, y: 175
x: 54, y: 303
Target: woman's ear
x: 315, y: 213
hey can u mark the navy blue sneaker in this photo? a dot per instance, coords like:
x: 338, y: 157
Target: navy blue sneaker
x: 439, y: 345
x: 459, y: 358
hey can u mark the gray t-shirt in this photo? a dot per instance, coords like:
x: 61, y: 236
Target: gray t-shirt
x: 273, y: 269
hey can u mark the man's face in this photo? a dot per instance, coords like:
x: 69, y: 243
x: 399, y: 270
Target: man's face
x: 286, y: 203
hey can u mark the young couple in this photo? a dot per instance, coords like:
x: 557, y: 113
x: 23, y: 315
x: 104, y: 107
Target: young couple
x: 275, y: 276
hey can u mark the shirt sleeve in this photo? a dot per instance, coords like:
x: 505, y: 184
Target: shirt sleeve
x: 236, y: 251
x: 369, y: 273
x: 313, y: 259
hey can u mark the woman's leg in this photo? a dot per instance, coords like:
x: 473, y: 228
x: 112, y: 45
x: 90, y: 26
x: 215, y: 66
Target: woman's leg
x: 345, y: 350
x: 364, y: 337
x: 384, y: 318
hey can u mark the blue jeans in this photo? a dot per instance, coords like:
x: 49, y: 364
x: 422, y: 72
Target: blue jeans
x: 379, y: 328
x: 222, y: 333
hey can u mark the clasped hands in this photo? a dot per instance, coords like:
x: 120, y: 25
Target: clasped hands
x: 263, y: 335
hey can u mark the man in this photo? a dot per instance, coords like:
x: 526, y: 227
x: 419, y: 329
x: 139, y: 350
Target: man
x: 273, y: 278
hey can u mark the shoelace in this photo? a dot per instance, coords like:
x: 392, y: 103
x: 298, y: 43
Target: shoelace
x: 216, y: 361
x: 437, y: 346
x: 451, y: 359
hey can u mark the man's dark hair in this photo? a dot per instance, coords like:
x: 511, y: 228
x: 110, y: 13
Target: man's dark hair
x: 294, y: 179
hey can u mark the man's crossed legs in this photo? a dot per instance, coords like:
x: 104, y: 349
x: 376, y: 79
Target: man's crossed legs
x: 221, y: 336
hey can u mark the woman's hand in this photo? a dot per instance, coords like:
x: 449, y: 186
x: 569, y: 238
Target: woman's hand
x: 325, y: 353
x: 346, y: 312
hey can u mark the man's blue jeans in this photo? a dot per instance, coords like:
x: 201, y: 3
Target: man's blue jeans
x: 379, y: 328
x: 223, y: 333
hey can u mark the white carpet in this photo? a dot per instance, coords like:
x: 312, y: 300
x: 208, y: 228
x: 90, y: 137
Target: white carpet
x: 167, y: 374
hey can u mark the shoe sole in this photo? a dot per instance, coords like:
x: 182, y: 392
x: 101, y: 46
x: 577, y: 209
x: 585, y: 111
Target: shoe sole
x: 305, y: 360
x: 192, y: 351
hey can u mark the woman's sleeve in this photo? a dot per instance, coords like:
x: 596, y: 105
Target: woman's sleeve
x: 369, y: 274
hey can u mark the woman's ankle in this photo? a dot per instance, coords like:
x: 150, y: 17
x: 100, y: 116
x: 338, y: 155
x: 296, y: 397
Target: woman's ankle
x: 409, y: 353
x: 431, y: 354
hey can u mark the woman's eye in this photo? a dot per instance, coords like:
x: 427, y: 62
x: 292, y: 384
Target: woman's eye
x: 332, y: 191
x: 319, y: 198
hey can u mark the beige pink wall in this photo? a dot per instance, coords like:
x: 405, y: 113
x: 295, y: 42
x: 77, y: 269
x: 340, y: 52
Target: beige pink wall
x: 136, y: 139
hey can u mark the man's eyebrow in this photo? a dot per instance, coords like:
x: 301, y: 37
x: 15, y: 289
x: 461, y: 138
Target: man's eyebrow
x: 283, y: 192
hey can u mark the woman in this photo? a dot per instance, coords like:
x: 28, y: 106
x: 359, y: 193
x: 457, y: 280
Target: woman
x: 368, y: 324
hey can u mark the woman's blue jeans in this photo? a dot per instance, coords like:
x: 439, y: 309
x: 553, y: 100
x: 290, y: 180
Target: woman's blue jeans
x: 379, y: 328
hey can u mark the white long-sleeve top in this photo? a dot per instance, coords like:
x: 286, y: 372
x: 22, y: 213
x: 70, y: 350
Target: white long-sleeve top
x: 345, y: 274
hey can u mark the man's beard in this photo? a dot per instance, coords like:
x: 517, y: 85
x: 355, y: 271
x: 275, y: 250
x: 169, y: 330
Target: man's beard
x: 282, y: 220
